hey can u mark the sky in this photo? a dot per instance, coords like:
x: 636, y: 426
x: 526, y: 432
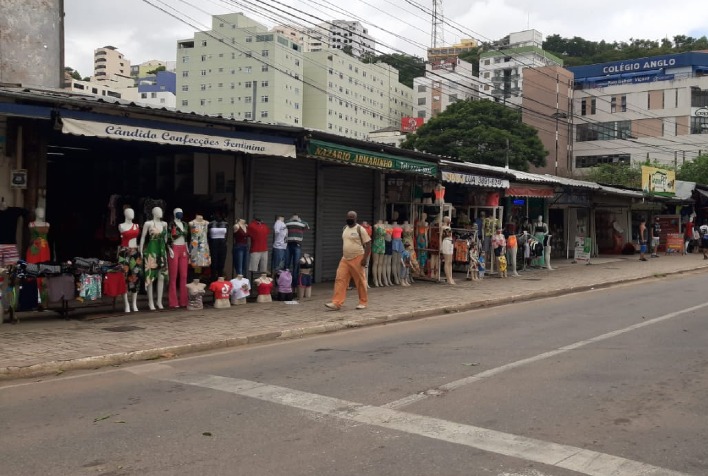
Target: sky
x: 148, y: 29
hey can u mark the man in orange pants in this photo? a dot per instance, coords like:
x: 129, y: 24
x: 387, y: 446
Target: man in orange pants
x: 356, y: 248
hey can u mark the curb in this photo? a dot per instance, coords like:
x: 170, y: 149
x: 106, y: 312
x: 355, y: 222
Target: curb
x: 168, y: 352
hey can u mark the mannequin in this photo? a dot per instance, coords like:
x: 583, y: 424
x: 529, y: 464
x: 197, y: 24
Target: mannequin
x: 540, y: 230
x: 129, y: 257
x: 222, y: 292
x: 434, y: 247
x: 38, y: 250
x: 388, y: 253
x: 199, y: 256
x: 153, y: 244
x: 421, y: 238
x: 280, y: 246
x: 406, y: 264
x: 397, y: 250
x: 369, y: 231
x: 240, y: 250
x: 264, y: 285
x: 285, y: 285
x: 240, y: 289
x: 547, y: 248
x: 408, y: 237
x: 512, y: 249
x: 489, y: 225
x: 177, y: 260
x: 296, y: 234
x: 8, y: 232
x: 499, y: 249
x: 196, y: 292
x: 304, y: 288
x: 688, y: 233
x: 378, y: 248
x: 258, y: 233
x: 447, y: 249
x: 217, y: 243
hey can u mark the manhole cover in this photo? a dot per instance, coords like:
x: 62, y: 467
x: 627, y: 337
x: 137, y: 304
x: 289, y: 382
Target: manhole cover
x: 123, y: 328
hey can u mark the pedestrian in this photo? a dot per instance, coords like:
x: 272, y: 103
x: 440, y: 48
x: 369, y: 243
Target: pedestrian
x: 356, y: 248
x: 642, y: 239
x: 655, y: 238
x: 703, y: 230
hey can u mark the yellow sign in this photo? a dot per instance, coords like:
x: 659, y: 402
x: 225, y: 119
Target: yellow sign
x: 658, y: 181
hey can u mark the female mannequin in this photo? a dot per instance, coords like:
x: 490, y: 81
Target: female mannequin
x: 369, y: 231
x: 153, y: 244
x: 447, y: 249
x: 304, y: 288
x: 240, y: 289
x: 434, y: 247
x: 222, y: 292
x: 199, y: 256
x: 512, y: 249
x: 264, y: 285
x: 240, y: 250
x: 388, y: 253
x: 217, y: 244
x: 129, y: 257
x: 397, y: 250
x: 547, y: 248
x: 177, y: 260
x: 196, y: 293
x: 378, y: 248
x: 38, y: 250
x: 422, y: 235
x: 540, y: 230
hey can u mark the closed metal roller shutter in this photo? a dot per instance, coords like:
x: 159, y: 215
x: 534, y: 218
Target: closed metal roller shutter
x: 285, y: 187
x: 345, y: 188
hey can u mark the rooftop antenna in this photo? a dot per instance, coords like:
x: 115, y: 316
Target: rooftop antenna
x: 436, y: 35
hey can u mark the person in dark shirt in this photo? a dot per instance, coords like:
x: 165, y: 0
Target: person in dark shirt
x: 655, y: 238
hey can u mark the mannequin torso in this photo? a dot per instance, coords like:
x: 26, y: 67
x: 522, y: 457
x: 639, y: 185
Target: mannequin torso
x: 264, y: 285
x: 222, y: 292
x: 196, y: 293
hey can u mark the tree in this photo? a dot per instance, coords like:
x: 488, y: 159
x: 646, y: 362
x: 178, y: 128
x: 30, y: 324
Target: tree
x: 159, y: 68
x: 623, y: 175
x: 347, y: 49
x: 695, y: 170
x: 478, y: 131
x: 409, y: 67
x: 73, y: 73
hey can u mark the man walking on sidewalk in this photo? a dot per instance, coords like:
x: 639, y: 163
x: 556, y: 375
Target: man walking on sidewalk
x: 356, y: 248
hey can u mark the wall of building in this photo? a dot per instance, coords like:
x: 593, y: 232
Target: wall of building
x: 32, y: 42
x: 108, y: 62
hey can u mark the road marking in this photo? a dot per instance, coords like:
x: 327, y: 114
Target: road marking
x: 556, y: 455
x: 410, y: 399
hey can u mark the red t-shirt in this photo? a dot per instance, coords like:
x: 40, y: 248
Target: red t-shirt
x: 221, y: 289
x: 258, y: 232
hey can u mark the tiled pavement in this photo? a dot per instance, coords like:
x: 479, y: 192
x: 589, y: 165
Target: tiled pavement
x: 43, y: 343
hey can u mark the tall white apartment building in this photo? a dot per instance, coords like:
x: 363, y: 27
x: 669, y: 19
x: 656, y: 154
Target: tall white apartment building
x: 634, y: 110
x: 241, y: 70
x: 502, y: 69
x: 109, y: 62
x: 347, y: 97
x: 445, y: 82
x: 336, y: 35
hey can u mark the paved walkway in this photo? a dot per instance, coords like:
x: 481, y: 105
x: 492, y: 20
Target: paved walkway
x: 42, y: 343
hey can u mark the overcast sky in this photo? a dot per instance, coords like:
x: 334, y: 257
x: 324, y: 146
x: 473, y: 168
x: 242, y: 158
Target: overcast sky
x: 141, y: 31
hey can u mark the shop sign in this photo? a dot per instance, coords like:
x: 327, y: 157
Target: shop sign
x: 162, y: 136
x: 474, y: 180
x: 699, y: 111
x: 411, y: 124
x: 18, y: 178
x: 674, y: 241
x: 530, y: 191
x: 583, y: 248
x: 658, y: 181
x: 352, y: 156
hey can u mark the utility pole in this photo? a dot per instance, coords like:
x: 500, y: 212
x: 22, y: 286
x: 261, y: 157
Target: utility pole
x: 436, y: 34
x: 506, y: 155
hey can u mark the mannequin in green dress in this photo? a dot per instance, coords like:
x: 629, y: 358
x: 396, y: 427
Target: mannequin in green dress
x: 153, y: 245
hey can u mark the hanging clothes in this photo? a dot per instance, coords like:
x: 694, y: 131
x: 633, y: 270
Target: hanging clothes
x: 199, y: 256
x: 38, y: 250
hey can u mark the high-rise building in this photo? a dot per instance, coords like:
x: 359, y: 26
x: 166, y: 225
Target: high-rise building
x: 445, y: 82
x: 347, y: 97
x: 241, y: 70
x: 336, y: 35
x: 109, y: 62
x: 502, y: 69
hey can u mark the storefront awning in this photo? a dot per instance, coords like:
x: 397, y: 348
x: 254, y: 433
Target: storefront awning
x: 474, y: 180
x: 529, y: 191
x: 365, y: 158
x: 228, y: 142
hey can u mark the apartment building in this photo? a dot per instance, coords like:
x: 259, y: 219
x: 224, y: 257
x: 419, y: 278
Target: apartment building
x: 445, y: 82
x: 347, y: 97
x: 502, y: 69
x: 547, y: 106
x: 336, y: 35
x: 652, y: 108
x: 155, y: 90
x: 239, y: 69
x: 109, y: 62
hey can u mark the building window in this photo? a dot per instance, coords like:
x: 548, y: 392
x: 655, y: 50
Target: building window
x: 202, y: 102
x: 421, y: 101
x: 264, y: 114
x: 204, y: 57
x: 143, y: 95
x: 248, y: 84
x: 585, y: 161
x: 185, y: 74
x: 185, y: 102
x: 264, y: 98
x: 204, y: 42
x: 587, y: 106
x: 247, y: 69
x: 264, y: 68
x: 185, y: 59
x: 264, y: 84
x: 249, y: 39
x: 247, y: 99
x: 421, y: 88
x: 185, y: 87
x: 203, y: 72
x: 248, y: 115
x: 699, y: 125
x: 264, y: 53
x: 202, y: 87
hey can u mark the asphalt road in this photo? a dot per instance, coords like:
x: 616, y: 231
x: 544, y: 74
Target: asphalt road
x: 608, y: 382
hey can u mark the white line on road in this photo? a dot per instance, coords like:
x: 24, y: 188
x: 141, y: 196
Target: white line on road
x: 556, y: 455
x: 410, y: 399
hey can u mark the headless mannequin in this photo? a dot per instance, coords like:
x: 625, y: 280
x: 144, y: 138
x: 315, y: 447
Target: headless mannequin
x: 304, y: 289
x: 241, y: 290
x: 154, y: 259
x: 177, y: 260
x: 196, y: 291
x: 264, y: 285
x: 397, y: 249
x: 369, y: 231
x: 222, y: 292
x: 422, y: 238
x: 387, y: 278
x: 377, y: 253
x: 125, y: 253
x: 217, y: 244
x: 540, y: 232
x: 38, y: 251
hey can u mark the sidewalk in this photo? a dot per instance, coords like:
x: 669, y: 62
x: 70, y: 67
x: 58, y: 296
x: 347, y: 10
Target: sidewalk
x: 44, y: 343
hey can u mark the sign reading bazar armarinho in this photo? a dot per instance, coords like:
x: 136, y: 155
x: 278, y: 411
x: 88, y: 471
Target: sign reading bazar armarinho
x: 350, y: 155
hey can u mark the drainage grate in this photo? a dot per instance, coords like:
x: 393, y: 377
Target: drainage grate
x: 123, y: 328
